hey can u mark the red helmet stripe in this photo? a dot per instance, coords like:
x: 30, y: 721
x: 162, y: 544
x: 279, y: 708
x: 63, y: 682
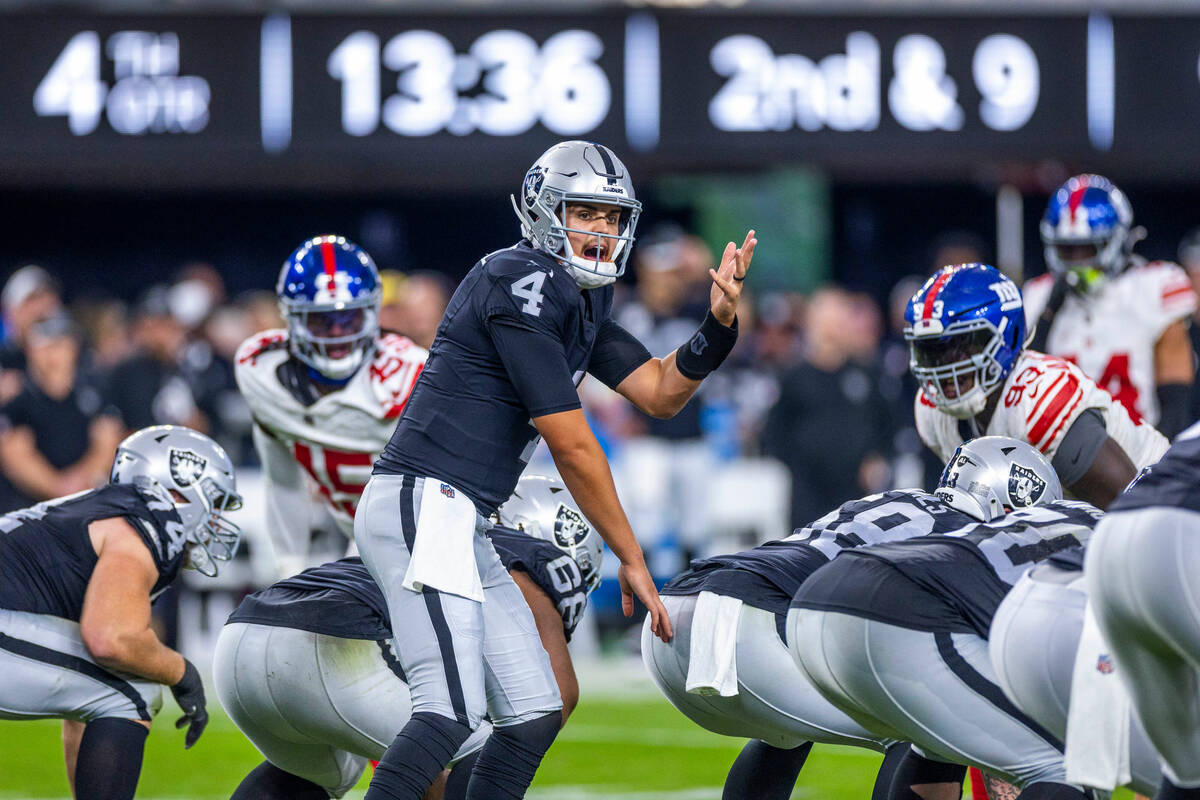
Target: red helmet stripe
x: 329, y: 259
x: 927, y: 309
x: 1077, y: 196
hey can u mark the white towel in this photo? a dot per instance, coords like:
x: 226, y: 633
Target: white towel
x: 712, y: 661
x: 443, y: 553
x: 1097, y: 752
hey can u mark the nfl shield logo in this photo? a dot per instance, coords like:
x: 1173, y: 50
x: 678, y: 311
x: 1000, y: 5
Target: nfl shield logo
x: 448, y: 490
x: 570, y: 527
x: 1104, y: 664
x: 186, y: 466
x: 1024, y: 486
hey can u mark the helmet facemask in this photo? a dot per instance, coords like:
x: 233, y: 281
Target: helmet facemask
x: 212, y: 537
x: 958, y: 371
x: 333, y: 340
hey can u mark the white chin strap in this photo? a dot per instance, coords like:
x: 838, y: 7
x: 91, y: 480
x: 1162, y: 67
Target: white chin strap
x: 590, y: 274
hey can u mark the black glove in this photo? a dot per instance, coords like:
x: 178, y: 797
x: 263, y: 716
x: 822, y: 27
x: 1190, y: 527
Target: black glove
x: 189, y: 694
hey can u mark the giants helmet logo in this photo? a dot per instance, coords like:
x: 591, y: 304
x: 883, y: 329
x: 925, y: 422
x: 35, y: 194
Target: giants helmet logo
x: 1024, y: 486
x: 333, y: 288
x: 186, y: 466
x: 570, y: 528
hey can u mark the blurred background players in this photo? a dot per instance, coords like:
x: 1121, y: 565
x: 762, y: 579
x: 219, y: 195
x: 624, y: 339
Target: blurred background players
x: 325, y: 393
x: 76, y: 578
x: 1122, y: 319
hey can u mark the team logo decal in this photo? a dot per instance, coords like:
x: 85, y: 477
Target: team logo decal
x: 448, y: 490
x: 186, y: 466
x: 698, y: 344
x: 1104, y: 664
x: 570, y: 527
x: 1024, y: 486
x: 533, y: 184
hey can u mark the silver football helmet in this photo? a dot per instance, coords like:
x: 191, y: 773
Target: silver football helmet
x: 578, y: 172
x: 542, y: 507
x: 197, y: 475
x: 993, y: 475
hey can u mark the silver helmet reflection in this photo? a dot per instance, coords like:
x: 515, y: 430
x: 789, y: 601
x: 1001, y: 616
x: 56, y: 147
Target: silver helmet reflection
x: 993, y: 475
x: 578, y: 172
x: 542, y: 507
x: 195, y: 472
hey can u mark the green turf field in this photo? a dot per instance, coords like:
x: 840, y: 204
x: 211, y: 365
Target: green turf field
x: 618, y: 749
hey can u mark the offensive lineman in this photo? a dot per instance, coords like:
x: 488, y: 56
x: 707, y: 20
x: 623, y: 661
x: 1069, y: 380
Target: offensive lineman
x: 517, y: 337
x: 325, y: 393
x: 1034, y: 644
x: 895, y: 634
x: 77, y: 576
x: 966, y: 332
x: 307, y: 670
x: 1122, y: 319
x: 1141, y: 577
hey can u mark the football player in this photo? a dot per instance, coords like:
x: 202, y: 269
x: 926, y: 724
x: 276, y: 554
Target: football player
x: 1033, y: 644
x: 1140, y: 573
x: 519, y: 334
x: 895, y: 634
x: 966, y: 333
x: 306, y: 668
x: 77, y: 576
x: 1122, y: 319
x: 325, y: 393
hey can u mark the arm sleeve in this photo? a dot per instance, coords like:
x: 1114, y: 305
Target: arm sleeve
x: 616, y: 354
x: 287, y: 501
x: 535, y: 364
x: 1079, y: 446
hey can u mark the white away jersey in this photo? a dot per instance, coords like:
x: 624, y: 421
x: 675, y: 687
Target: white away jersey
x: 335, y: 438
x: 1041, y: 398
x: 1111, y: 332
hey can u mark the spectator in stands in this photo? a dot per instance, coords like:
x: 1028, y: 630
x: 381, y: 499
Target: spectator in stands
x: 831, y: 425
x: 58, y: 435
x: 421, y: 301
x: 151, y: 387
x: 29, y: 295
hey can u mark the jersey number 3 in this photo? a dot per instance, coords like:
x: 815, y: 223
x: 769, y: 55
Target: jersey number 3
x: 529, y: 289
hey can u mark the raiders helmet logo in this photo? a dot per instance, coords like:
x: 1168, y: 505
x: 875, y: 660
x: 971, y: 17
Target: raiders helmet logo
x: 533, y: 184
x: 186, y: 466
x: 570, y: 527
x: 1024, y: 486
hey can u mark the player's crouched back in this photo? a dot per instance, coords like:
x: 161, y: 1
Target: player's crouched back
x: 77, y: 575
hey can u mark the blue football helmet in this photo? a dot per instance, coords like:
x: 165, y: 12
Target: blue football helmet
x: 1087, y: 231
x: 965, y: 328
x: 329, y: 293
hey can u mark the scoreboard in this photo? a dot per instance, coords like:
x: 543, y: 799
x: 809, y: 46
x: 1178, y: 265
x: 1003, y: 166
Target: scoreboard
x: 379, y: 102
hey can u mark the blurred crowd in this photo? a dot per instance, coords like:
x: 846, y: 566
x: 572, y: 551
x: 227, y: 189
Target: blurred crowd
x: 819, y: 382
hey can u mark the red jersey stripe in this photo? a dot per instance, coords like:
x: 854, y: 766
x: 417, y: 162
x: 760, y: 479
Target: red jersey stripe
x: 1054, y: 409
x: 1054, y: 434
x: 1178, y: 290
x: 1046, y: 395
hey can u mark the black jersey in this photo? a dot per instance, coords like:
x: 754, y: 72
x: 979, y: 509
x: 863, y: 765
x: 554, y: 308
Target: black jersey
x: 336, y: 599
x: 555, y: 572
x: 47, y: 558
x: 516, y: 339
x: 342, y: 599
x: 765, y: 577
x: 1173, y: 482
x: 947, y: 582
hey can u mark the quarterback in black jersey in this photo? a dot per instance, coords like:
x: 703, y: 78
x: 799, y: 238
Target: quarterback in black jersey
x: 313, y: 654
x: 521, y: 331
x: 895, y: 634
x: 77, y: 576
x: 1141, y: 576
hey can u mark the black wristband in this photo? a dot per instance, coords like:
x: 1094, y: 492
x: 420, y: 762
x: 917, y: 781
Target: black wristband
x: 707, y: 348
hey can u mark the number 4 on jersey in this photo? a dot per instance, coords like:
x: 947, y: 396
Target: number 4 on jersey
x: 529, y: 289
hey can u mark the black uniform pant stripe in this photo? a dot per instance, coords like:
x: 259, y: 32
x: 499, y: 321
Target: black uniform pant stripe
x: 389, y: 659
x: 985, y: 688
x: 84, y: 667
x: 433, y: 603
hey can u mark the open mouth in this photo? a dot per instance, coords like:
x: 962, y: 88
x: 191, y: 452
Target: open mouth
x: 339, y: 350
x: 596, y: 252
